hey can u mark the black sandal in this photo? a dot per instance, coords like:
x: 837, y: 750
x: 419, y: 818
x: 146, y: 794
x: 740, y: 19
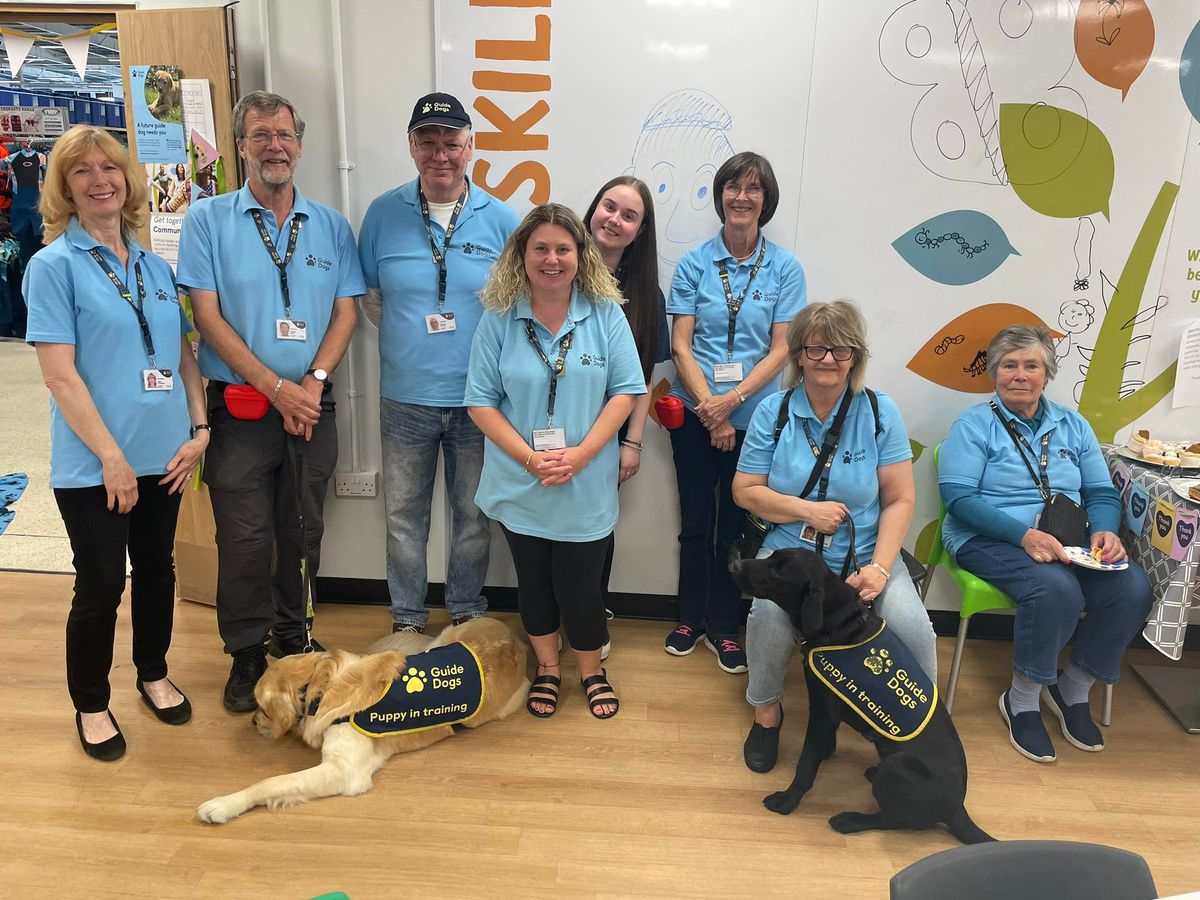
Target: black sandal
x: 544, y: 690
x: 598, y: 684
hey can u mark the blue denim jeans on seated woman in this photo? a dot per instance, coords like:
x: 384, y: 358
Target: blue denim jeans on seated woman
x: 1050, y: 598
x: 411, y: 436
x: 771, y: 638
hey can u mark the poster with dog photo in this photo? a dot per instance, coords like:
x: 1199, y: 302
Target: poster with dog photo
x: 157, y: 114
x: 170, y: 187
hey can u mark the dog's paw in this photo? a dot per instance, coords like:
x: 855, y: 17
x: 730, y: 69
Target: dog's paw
x: 220, y: 810
x: 781, y: 802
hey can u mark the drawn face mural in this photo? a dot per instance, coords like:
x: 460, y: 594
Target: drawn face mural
x: 683, y: 141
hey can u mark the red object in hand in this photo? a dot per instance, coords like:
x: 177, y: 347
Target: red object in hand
x: 245, y: 401
x: 670, y: 411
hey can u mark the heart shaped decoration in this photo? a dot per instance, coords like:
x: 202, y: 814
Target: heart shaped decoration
x: 1185, y: 532
x: 1162, y: 523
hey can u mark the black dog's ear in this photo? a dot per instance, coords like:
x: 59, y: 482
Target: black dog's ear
x: 812, y: 610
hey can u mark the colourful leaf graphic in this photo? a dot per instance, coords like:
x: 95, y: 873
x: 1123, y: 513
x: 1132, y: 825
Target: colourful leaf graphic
x: 925, y: 542
x: 1189, y: 72
x: 1114, y: 40
x: 959, y: 247
x: 956, y: 356
x: 1059, y: 163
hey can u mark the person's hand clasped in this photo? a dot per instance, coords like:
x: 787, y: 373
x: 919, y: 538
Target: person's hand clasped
x: 826, y: 516
x: 180, y: 468
x: 1043, y: 548
x: 869, y: 582
x: 1111, y: 548
x: 555, y: 467
x: 631, y: 463
x: 120, y: 483
x: 713, y: 411
x: 723, y: 436
x: 299, y: 408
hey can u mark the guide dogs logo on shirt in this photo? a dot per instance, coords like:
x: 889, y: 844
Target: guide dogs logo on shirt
x: 881, y: 681
x: 442, y: 686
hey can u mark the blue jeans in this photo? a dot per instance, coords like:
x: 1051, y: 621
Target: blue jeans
x: 771, y: 638
x: 1050, y: 598
x: 411, y: 436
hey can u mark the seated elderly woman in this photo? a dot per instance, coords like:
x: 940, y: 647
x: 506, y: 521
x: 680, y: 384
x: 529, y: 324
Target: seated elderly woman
x: 867, y: 479
x: 992, y: 505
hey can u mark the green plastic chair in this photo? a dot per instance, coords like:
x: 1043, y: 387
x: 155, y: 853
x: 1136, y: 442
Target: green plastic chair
x: 977, y: 596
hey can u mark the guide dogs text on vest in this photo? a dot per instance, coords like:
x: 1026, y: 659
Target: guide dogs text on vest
x: 921, y: 779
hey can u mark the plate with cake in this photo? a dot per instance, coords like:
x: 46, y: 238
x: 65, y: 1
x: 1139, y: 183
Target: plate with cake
x: 1090, y: 559
x: 1187, y: 488
x: 1169, y: 454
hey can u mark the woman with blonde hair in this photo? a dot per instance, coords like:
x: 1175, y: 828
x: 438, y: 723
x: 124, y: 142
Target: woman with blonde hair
x: 128, y: 420
x: 818, y: 455
x: 553, y: 373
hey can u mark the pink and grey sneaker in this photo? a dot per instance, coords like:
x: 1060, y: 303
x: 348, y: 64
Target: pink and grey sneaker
x: 683, y: 640
x: 730, y: 655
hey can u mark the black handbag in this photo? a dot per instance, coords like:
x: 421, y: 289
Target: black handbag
x: 1061, y: 517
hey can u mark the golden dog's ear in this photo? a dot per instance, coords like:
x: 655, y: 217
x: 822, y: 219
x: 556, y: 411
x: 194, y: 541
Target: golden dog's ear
x: 278, y: 693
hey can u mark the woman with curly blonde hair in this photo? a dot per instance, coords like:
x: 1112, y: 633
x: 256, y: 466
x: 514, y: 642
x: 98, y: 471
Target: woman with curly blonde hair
x: 553, y: 373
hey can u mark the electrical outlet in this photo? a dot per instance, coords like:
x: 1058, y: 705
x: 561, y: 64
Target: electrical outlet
x: 354, y: 484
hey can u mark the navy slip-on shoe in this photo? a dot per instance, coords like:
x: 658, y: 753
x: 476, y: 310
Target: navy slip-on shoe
x: 1027, y: 733
x: 1075, y: 719
x: 761, y: 749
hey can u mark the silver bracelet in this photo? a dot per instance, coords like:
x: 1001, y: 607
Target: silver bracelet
x: 632, y: 445
x: 887, y: 576
x: 278, y: 388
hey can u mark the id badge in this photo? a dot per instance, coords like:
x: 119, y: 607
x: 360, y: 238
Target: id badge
x: 436, y: 323
x: 291, y: 330
x: 726, y: 372
x: 549, y: 439
x: 158, y: 380
x: 808, y: 534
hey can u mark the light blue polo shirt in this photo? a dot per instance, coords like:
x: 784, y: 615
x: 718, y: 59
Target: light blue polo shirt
x: 779, y: 292
x: 979, y: 453
x: 853, y: 477
x: 415, y: 366
x: 506, y: 373
x: 72, y: 301
x: 220, y: 250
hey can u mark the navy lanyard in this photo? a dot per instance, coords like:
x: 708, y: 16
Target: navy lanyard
x: 439, y: 256
x: 1043, y: 458
x: 735, y: 305
x: 280, y: 264
x: 138, y: 308
x: 556, y: 368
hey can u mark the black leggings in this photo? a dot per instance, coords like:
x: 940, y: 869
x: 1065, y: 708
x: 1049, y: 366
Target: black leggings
x: 99, y: 540
x: 561, y: 578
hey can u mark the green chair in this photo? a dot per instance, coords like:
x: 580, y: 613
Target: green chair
x: 977, y: 596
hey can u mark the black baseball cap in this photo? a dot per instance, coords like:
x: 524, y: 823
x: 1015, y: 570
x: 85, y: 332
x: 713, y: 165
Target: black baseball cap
x: 438, y: 109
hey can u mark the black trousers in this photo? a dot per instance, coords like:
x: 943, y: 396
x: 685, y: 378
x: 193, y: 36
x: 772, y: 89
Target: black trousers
x: 252, y: 469
x: 100, y: 538
x: 560, y: 581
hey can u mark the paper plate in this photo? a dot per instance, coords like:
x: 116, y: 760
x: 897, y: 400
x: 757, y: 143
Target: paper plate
x: 1181, y: 485
x: 1082, y: 556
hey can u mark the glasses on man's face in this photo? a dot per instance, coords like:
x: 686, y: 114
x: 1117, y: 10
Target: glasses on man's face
x: 263, y: 138
x: 753, y: 191
x: 816, y: 352
x: 451, y: 150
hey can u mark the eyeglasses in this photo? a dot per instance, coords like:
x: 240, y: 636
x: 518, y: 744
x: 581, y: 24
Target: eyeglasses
x: 816, y: 352
x: 753, y: 191
x: 263, y: 138
x: 427, y: 148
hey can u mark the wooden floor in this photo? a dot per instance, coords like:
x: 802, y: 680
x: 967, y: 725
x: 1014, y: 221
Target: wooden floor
x: 656, y: 802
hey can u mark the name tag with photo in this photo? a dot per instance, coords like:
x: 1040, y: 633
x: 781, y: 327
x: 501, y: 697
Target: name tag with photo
x: 726, y: 372
x: 158, y: 380
x: 437, y: 323
x: 808, y: 534
x: 291, y: 330
x: 549, y: 439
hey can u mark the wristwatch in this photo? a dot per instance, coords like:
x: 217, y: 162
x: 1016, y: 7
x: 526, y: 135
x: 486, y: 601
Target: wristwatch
x: 320, y: 374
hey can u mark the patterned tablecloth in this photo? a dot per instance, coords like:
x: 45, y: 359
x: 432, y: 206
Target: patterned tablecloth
x: 1159, y: 532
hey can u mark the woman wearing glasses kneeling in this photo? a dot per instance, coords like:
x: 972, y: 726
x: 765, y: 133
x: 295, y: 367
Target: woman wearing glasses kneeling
x: 842, y: 453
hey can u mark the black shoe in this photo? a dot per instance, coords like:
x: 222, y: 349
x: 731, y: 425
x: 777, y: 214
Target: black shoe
x: 761, y: 750
x: 248, y: 666
x: 105, y: 751
x: 178, y: 714
x: 280, y: 647
x: 458, y: 620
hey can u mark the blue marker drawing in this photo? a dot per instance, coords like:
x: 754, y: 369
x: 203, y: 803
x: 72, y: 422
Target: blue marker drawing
x: 683, y: 141
x: 959, y: 247
x: 1189, y: 72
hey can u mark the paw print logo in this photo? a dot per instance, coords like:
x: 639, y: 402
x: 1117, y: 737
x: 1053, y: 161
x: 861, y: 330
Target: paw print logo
x: 414, y: 681
x: 468, y: 248
x: 846, y: 458
x: 586, y: 360
x: 426, y: 108
x: 310, y: 260
x: 162, y: 295
x: 757, y: 295
x: 879, y: 662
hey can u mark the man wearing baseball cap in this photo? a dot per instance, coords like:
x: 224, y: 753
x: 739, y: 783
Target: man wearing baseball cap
x: 426, y: 248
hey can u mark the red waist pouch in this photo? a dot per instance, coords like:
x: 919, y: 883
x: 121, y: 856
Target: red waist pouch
x: 670, y: 411
x: 244, y: 401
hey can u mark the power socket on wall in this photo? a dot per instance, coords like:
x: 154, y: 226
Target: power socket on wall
x: 354, y: 484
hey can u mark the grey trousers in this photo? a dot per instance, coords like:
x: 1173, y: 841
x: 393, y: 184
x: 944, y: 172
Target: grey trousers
x: 251, y: 473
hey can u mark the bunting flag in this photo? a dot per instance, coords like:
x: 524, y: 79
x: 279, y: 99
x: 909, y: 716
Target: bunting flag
x: 17, y: 47
x: 77, y: 47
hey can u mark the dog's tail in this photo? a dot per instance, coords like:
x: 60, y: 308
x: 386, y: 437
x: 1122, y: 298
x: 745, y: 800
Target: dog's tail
x: 965, y: 830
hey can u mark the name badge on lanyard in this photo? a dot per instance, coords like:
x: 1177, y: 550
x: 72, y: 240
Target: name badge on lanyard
x: 288, y: 328
x: 729, y: 370
x: 550, y: 438
x: 442, y: 321
x: 154, y: 378
x: 291, y: 330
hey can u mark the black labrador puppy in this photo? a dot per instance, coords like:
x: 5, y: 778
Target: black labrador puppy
x: 921, y: 779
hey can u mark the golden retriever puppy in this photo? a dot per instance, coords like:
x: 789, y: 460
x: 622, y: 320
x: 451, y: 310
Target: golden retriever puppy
x: 169, y: 94
x: 314, y: 693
